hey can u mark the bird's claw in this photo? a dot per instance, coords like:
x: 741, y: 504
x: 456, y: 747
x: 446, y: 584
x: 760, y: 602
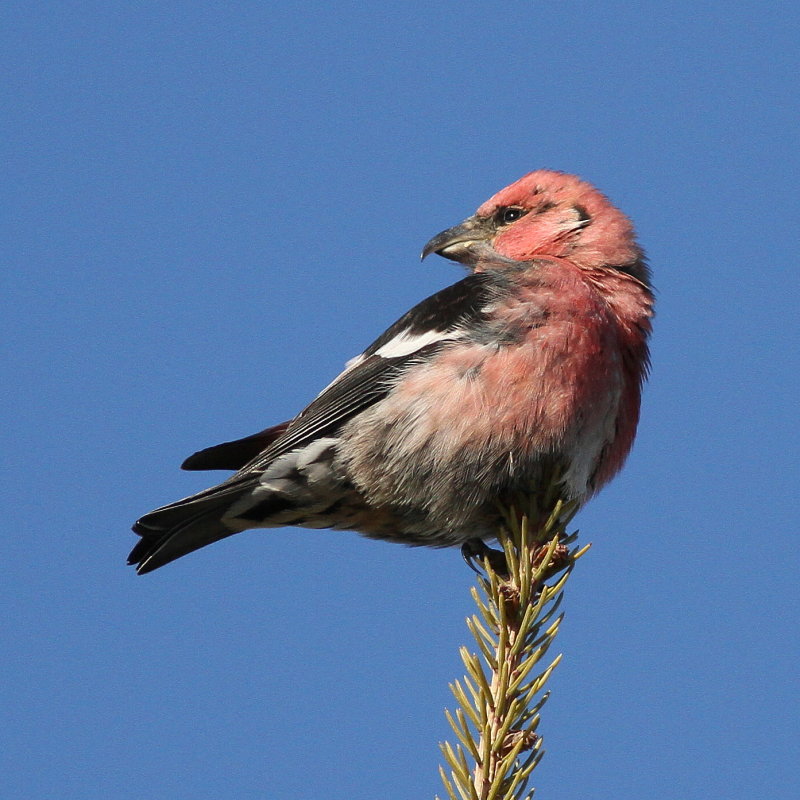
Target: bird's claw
x: 477, y: 551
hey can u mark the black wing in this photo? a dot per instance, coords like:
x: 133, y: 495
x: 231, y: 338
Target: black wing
x: 368, y: 379
x: 461, y: 304
x: 234, y: 455
x: 193, y: 522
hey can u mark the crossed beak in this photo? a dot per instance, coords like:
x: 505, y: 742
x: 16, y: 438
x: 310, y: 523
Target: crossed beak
x: 465, y: 243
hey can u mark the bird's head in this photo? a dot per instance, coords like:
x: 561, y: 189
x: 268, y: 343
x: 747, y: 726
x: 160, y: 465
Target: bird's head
x: 545, y: 213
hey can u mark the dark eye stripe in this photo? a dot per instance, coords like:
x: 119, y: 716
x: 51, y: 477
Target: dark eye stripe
x: 583, y: 214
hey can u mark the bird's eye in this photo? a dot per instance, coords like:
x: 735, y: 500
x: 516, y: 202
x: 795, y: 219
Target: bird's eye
x: 508, y: 214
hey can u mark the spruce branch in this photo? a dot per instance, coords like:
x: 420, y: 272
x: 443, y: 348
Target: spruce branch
x: 517, y: 620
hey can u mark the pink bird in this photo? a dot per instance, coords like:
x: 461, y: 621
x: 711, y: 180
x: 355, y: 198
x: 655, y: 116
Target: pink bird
x: 536, y: 359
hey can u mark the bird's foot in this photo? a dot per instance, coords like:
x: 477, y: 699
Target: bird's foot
x: 476, y: 550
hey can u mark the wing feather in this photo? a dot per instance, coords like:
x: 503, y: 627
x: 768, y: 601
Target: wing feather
x: 437, y: 322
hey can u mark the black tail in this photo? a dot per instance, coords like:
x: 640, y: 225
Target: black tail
x: 177, y: 529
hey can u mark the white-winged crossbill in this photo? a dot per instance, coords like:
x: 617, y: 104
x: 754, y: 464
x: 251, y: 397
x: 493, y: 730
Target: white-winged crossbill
x: 534, y: 361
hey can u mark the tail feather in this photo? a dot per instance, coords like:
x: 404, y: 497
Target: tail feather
x: 298, y: 487
x: 175, y: 530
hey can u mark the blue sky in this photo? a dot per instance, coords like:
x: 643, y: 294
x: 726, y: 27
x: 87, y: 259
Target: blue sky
x: 208, y: 208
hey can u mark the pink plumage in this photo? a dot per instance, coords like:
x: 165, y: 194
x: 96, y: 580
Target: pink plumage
x: 533, y: 362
